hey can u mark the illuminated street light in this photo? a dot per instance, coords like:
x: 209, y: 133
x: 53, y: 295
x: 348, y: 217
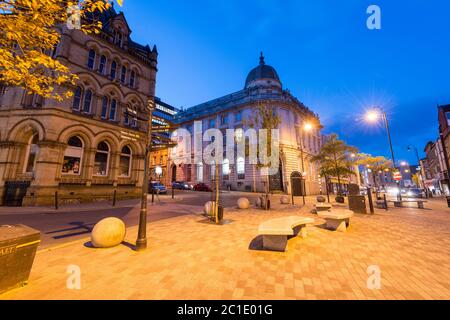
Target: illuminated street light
x: 308, y: 127
x: 373, y: 116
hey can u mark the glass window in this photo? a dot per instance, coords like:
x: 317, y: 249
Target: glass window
x: 77, y: 99
x: 123, y: 74
x: 213, y: 169
x: 200, y: 172
x: 105, y: 107
x: 73, y: 156
x: 238, y: 117
x: 87, y: 101
x: 112, y: 74
x: 112, y: 110
x: 91, y: 59
x: 132, y: 79
x: 102, y: 66
x: 101, y: 162
x: 32, y: 152
x: 224, y: 119
x: 240, y: 167
x: 239, y: 133
x: 212, y: 123
x: 125, y: 162
x: 448, y: 118
x: 226, y: 167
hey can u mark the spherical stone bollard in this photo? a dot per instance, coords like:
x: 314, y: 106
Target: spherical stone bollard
x: 243, y: 204
x: 108, y: 233
x: 285, y: 200
x: 321, y: 199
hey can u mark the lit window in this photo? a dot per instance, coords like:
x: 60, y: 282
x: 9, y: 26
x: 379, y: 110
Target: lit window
x: 77, y: 99
x: 125, y: 162
x: 239, y: 135
x: 73, y: 156
x: 226, y: 167
x: 91, y: 59
x: 32, y: 151
x: 240, y: 168
x: 200, y: 172
x: 101, y: 162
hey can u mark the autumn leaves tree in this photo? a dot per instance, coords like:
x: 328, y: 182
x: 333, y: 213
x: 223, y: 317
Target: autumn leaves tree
x: 377, y: 164
x: 30, y: 31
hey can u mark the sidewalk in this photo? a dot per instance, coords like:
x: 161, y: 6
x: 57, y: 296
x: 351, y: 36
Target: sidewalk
x: 188, y: 258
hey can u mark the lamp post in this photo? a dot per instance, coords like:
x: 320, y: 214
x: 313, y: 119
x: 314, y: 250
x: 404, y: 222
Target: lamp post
x: 373, y: 116
x: 141, y: 242
x: 416, y: 151
x: 307, y: 127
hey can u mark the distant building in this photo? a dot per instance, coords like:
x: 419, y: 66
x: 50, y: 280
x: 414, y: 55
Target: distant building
x: 444, y: 130
x: 262, y: 86
x: 432, y: 168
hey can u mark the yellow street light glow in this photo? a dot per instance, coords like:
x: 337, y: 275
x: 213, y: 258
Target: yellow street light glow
x: 308, y: 127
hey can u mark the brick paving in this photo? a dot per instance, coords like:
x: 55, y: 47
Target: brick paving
x: 189, y: 259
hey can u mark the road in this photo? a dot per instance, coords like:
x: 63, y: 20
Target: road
x: 76, y: 222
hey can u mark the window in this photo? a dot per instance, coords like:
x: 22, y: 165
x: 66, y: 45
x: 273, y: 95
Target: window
x: 112, y: 74
x: 212, y: 123
x: 238, y: 117
x: 101, y: 162
x: 123, y: 75
x: 105, y: 101
x: 119, y: 38
x: 226, y: 169
x: 240, y: 166
x: 77, y: 99
x: 112, y: 110
x: 130, y: 116
x: 239, y: 134
x: 73, y: 156
x: 102, y: 66
x: 91, y: 59
x: 224, y: 119
x: 132, y: 79
x: 200, y: 172
x: 448, y: 117
x: 213, y: 169
x: 87, y: 101
x: 32, y: 151
x: 125, y: 162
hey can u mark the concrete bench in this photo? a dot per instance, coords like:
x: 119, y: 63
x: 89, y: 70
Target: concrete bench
x: 277, y: 231
x: 399, y: 204
x: 321, y: 206
x: 337, y: 220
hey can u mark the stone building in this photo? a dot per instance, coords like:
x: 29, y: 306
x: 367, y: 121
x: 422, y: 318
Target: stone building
x: 262, y: 86
x: 85, y: 147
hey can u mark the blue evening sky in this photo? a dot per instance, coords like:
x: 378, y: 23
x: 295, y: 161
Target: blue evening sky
x: 323, y: 52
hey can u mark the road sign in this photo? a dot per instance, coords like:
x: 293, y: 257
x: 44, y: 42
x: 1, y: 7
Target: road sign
x: 398, y: 176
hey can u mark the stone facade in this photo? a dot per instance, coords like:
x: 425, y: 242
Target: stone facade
x: 85, y: 147
x: 233, y: 111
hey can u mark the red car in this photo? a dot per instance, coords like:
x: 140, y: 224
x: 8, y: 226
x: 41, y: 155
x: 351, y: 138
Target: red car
x: 202, y: 187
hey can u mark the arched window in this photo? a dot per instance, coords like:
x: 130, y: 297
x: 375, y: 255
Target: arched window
x: 130, y: 116
x: 132, y: 79
x: 32, y: 151
x: 200, y: 172
x: 87, y: 101
x: 240, y: 168
x: 102, y: 66
x: 112, y: 110
x: 112, y: 74
x: 73, y: 157
x: 76, y: 105
x: 105, y: 101
x: 91, y: 59
x: 125, y: 162
x: 123, y: 75
x: 101, y: 163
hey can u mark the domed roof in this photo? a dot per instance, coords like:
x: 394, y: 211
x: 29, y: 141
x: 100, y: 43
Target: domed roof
x: 263, y: 71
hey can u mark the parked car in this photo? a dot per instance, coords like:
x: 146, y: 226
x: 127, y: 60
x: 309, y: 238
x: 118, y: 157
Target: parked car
x: 202, y: 187
x: 182, y: 185
x: 157, y: 186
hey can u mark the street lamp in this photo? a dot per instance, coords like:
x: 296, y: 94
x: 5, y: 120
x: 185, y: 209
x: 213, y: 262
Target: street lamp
x: 307, y: 127
x: 141, y: 242
x: 375, y: 115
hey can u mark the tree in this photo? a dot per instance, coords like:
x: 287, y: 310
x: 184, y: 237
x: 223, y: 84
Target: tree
x: 375, y: 164
x: 335, y: 159
x: 265, y: 118
x: 29, y: 33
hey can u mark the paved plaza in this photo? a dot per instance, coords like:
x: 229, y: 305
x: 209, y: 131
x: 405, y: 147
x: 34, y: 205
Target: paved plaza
x: 188, y: 258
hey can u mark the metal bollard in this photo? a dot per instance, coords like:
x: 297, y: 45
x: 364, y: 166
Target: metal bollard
x: 114, y: 198
x: 369, y: 193
x: 56, y: 200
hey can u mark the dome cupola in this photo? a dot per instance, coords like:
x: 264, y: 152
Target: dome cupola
x: 262, y: 75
